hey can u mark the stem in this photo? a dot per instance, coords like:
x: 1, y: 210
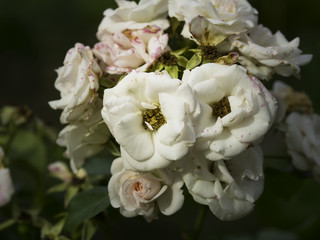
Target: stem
x: 199, y: 222
x: 7, y: 224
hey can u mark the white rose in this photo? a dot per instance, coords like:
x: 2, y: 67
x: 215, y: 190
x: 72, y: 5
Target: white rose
x: 303, y: 141
x: 237, y: 110
x: 228, y: 187
x: 151, y: 116
x: 130, y: 15
x: 6, y: 186
x: 137, y: 193
x: 225, y: 16
x: 78, y: 84
x: 131, y: 49
x: 84, y: 138
x: 265, y: 54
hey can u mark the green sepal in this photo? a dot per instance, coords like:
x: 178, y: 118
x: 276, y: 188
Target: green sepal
x: 157, y: 66
x: 172, y: 70
x: 179, y: 52
x: 194, y: 61
x: 194, y: 50
x: 182, y: 61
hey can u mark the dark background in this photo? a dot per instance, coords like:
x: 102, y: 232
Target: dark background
x: 35, y: 36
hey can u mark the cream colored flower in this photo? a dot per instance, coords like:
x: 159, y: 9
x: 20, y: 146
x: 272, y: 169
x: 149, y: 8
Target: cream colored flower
x: 303, y: 141
x: 84, y: 138
x: 6, y: 185
x: 151, y: 116
x: 236, y: 109
x: 131, y: 49
x: 265, y: 54
x: 137, y: 193
x: 78, y: 84
x: 130, y: 15
x: 227, y: 17
x: 228, y: 187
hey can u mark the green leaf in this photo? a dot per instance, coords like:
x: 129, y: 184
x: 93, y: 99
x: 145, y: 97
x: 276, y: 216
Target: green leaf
x: 99, y: 164
x: 172, y: 70
x: 194, y: 61
x: 88, y: 230
x: 85, y: 205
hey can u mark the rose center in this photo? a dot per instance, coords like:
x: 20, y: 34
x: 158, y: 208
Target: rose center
x: 168, y: 59
x: 209, y: 53
x: 138, y: 187
x: 153, y: 119
x: 221, y: 108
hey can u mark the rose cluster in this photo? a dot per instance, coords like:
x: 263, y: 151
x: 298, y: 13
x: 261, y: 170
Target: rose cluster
x: 175, y: 83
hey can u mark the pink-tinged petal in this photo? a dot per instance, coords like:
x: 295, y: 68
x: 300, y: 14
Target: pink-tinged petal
x: 78, y: 84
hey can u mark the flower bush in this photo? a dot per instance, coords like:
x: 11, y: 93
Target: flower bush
x: 172, y: 103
